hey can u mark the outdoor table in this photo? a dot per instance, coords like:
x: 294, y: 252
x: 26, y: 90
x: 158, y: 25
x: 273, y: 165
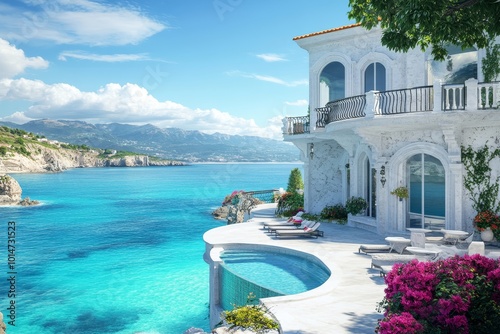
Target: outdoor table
x: 417, y: 236
x: 398, y: 243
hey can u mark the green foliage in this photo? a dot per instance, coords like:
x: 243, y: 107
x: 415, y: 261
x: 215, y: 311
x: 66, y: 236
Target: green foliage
x: 311, y: 216
x: 295, y: 181
x: 336, y: 212
x: 401, y: 192
x: 483, y: 190
x: 108, y: 153
x: 252, y: 317
x: 3, y: 151
x: 491, y: 63
x: 289, y: 204
x: 430, y: 23
x: 356, y: 205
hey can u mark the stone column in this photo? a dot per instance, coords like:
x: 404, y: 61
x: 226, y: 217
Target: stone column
x: 438, y: 96
x: 471, y: 98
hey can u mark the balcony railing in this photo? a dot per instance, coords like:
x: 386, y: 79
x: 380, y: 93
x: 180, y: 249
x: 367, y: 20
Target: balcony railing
x: 488, y: 95
x: 470, y: 96
x: 402, y: 101
x: 296, y: 125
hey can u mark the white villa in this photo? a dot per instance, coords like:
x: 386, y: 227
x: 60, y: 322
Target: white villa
x: 380, y: 119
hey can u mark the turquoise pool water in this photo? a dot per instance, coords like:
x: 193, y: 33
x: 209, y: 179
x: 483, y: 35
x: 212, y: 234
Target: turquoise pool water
x: 267, y: 274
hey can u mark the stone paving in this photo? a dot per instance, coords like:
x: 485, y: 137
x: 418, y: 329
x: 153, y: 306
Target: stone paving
x: 345, y: 303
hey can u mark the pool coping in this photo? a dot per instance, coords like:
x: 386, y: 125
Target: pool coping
x: 345, y: 303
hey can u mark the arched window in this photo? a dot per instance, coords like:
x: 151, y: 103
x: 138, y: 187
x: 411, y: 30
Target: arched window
x: 375, y: 77
x: 332, y: 83
x: 426, y: 180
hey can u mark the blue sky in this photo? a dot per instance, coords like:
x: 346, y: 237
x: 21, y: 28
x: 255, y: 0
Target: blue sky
x: 227, y: 66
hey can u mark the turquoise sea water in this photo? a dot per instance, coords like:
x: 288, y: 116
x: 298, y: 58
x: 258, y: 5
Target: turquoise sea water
x: 118, y: 250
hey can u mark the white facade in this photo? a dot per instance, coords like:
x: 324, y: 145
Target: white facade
x: 419, y: 149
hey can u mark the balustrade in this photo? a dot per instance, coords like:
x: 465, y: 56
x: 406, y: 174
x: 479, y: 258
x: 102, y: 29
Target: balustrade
x: 418, y: 99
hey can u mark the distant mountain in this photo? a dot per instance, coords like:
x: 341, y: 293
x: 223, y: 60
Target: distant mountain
x: 169, y: 143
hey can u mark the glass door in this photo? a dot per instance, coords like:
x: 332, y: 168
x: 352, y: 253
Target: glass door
x: 426, y: 204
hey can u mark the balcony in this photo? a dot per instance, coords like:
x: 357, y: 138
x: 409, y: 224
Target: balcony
x: 470, y: 96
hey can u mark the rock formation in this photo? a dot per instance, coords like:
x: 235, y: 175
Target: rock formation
x: 10, y: 191
x: 235, y: 211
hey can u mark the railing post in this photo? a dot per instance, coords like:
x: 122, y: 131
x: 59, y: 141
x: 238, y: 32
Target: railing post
x: 372, y: 106
x: 471, y: 94
x: 438, y: 96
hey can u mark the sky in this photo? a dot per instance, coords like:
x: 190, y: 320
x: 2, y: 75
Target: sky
x: 227, y: 66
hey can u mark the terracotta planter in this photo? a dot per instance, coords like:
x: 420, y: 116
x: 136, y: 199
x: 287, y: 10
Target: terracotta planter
x: 487, y: 235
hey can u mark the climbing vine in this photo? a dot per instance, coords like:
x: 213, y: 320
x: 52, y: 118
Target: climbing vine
x: 483, y: 190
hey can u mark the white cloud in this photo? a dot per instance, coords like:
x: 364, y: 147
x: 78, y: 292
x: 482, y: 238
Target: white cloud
x: 82, y: 55
x: 298, y: 103
x: 13, y: 61
x: 268, y: 78
x: 77, y: 22
x: 127, y: 103
x: 271, y: 57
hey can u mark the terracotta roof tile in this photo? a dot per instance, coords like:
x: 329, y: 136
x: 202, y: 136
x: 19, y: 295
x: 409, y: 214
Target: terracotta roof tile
x: 328, y: 31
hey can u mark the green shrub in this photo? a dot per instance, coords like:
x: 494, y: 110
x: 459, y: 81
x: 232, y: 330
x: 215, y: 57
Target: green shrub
x: 356, y: 205
x: 252, y: 317
x: 295, y: 181
x: 334, y: 212
x: 289, y: 204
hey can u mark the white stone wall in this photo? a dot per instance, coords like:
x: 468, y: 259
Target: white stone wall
x: 326, y: 179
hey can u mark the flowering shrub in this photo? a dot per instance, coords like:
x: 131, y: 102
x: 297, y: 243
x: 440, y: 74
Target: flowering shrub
x: 289, y: 204
x: 486, y: 219
x: 457, y: 295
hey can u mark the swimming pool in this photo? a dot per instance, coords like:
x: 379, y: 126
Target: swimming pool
x: 266, y: 273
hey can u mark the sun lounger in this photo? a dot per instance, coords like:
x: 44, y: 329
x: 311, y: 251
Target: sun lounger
x: 380, y: 260
x: 374, y: 249
x: 305, y: 223
x: 306, y: 232
x: 295, y: 220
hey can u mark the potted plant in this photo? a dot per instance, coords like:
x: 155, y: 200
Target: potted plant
x: 488, y: 223
x: 401, y: 192
x: 356, y: 205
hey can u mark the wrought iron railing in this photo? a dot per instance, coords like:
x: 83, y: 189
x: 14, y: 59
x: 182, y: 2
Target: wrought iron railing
x: 266, y: 196
x: 322, y: 116
x: 468, y: 96
x: 402, y: 101
x: 350, y: 107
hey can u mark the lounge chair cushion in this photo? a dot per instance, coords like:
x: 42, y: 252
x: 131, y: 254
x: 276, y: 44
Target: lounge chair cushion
x: 374, y: 248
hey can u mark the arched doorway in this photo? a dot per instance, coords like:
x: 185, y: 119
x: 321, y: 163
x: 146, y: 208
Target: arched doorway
x: 426, y: 179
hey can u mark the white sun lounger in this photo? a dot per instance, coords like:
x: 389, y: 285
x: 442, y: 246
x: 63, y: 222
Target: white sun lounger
x: 305, y: 223
x: 312, y: 232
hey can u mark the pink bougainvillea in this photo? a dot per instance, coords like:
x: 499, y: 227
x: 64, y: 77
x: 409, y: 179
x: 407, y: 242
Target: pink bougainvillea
x: 457, y: 295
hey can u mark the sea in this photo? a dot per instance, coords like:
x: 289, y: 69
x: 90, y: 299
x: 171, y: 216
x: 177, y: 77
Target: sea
x: 117, y: 250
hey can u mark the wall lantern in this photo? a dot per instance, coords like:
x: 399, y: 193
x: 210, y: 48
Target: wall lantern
x: 311, y: 150
x: 382, y: 176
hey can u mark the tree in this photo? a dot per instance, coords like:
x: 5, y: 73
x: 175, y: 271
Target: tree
x: 430, y: 23
x: 295, y: 181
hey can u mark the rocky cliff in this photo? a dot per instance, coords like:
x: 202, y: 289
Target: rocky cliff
x: 46, y: 159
